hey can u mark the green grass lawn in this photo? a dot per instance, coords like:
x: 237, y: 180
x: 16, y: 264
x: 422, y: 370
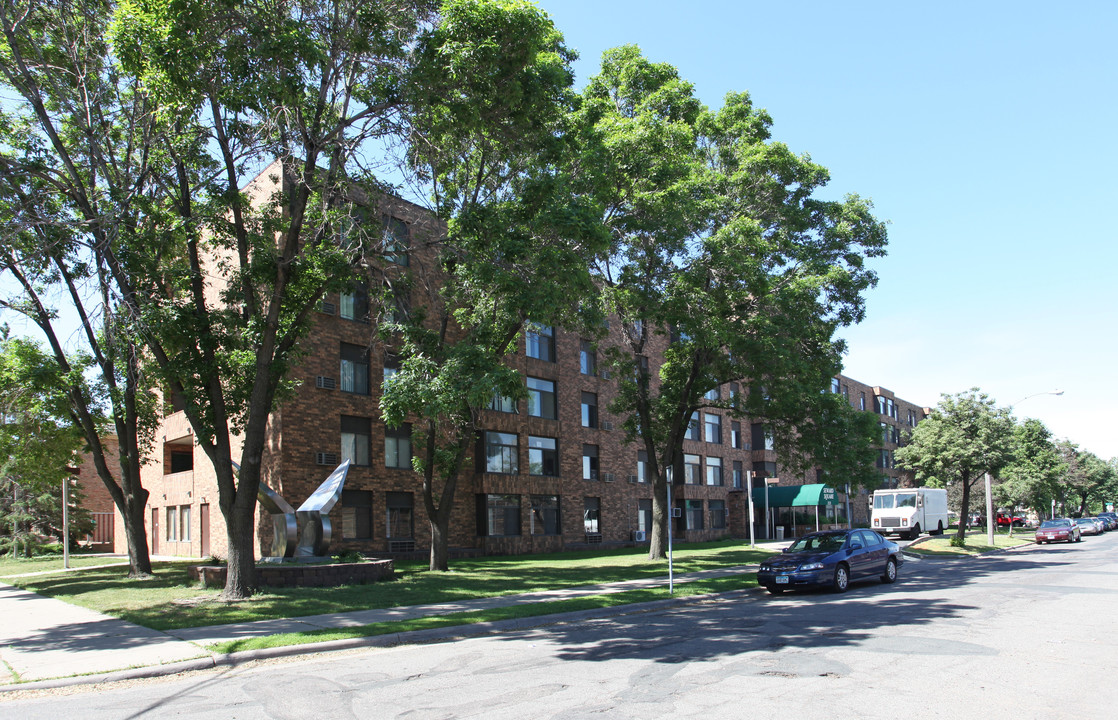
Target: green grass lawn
x: 171, y: 600
x: 976, y: 543
x: 43, y: 563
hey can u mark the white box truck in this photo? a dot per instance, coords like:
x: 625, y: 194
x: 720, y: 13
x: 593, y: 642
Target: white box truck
x: 909, y: 511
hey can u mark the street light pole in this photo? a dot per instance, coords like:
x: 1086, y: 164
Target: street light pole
x: 752, y: 516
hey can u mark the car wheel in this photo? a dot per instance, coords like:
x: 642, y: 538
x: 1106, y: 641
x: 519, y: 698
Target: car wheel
x: 890, y: 575
x: 914, y: 532
x: 1078, y: 538
x: 842, y: 578
x: 939, y: 528
x: 775, y: 590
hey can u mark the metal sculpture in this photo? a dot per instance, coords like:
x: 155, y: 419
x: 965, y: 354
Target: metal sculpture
x: 304, y: 532
x: 313, y: 515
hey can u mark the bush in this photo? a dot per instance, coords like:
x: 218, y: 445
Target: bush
x: 349, y: 556
x: 959, y: 542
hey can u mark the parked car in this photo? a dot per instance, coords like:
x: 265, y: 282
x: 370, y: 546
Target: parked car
x: 1006, y: 519
x: 1089, y: 526
x: 1058, y: 530
x: 831, y: 559
x: 1111, y: 520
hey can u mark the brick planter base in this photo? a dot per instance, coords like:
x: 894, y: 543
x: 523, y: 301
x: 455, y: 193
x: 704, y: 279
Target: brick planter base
x: 299, y: 575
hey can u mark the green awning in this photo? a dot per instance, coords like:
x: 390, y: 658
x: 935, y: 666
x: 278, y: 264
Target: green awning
x: 797, y: 495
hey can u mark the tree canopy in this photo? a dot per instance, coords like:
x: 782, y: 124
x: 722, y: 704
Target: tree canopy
x: 720, y: 243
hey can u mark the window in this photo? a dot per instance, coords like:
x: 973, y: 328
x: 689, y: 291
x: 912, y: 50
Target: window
x: 355, y: 369
x: 500, y: 403
x: 886, y: 432
x: 861, y: 401
x: 642, y: 466
x: 395, y: 241
x: 397, y: 447
x: 834, y: 385
x: 717, y: 514
x: 172, y: 524
x: 182, y: 460
x: 762, y: 438
x: 399, y: 515
x: 693, y: 427
x: 354, y: 305
x: 714, y: 471
x: 693, y: 512
x: 391, y: 367
x: 644, y: 515
x: 540, y: 342
x: 397, y: 305
x: 543, y: 456
x: 498, y: 515
x: 589, y: 462
x: 589, y: 410
x: 355, y: 439
x: 713, y: 427
x: 541, y: 398
x: 591, y: 514
x: 735, y: 395
x: 357, y: 515
x: 587, y: 358
x: 846, y: 392
x: 692, y: 470
x: 501, y: 453
x: 714, y: 393
x: 885, y: 459
x: 735, y: 435
x: 739, y: 478
x: 184, y: 523
x: 544, y: 518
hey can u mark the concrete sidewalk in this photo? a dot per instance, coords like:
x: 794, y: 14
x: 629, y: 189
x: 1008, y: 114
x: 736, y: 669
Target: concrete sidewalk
x: 46, y: 639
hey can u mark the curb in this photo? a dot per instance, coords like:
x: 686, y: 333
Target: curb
x: 416, y: 637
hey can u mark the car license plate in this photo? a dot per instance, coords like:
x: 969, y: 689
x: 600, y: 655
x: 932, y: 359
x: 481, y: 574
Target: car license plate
x: 781, y: 579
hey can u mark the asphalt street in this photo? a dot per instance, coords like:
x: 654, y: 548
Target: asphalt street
x: 1031, y: 633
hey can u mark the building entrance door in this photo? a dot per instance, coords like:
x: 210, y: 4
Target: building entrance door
x: 154, y: 531
x: 204, y: 528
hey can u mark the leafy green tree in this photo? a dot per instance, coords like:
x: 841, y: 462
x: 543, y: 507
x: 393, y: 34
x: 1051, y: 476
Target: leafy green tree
x: 488, y: 140
x: 75, y: 145
x: 965, y: 437
x: 39, y: 445
x: 317, y: 87
x: 1031, y: 479
x: 719, y: 242
x: 1087, y: 480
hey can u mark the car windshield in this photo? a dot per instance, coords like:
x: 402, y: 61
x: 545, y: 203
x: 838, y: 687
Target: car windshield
x: 884, y: 502
x: 818, y: 543
x: 1055, y: 523
x: 906, y: 500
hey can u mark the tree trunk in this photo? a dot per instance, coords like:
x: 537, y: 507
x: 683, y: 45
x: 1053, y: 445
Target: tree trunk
x: 658, y: 545
x: 139, y: 559
x: 439, y: 544
x: 964, y: 512
x: 240, y: 578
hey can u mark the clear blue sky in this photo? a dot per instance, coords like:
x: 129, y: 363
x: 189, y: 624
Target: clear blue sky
x: 983, y: 132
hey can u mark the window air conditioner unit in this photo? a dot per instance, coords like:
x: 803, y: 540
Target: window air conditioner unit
x: 632, y: 478
x: 324, y: 458
x: 604, y: 374
x: 607, y: 477
x: 325, y: 383
x: 639, y: 535
x: 328, y: 308
x: 607, y: 425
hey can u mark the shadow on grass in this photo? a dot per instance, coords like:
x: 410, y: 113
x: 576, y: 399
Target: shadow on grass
x: 171, y: 600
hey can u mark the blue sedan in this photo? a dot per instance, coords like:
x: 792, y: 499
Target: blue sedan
x: 831, y: 559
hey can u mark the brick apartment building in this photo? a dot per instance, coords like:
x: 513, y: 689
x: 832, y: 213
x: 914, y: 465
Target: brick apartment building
x: 547, y: 474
